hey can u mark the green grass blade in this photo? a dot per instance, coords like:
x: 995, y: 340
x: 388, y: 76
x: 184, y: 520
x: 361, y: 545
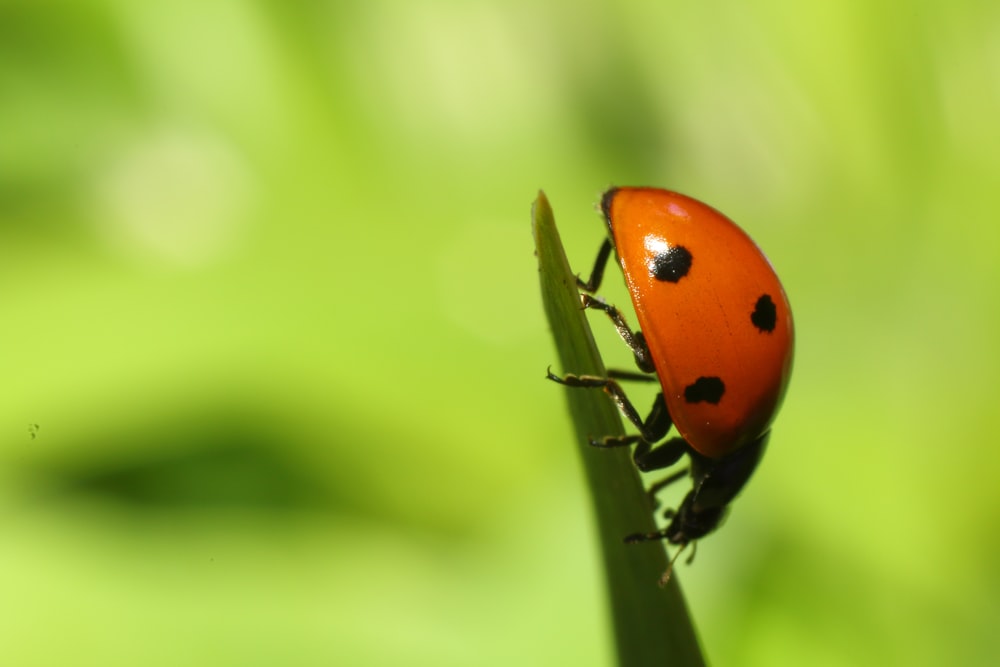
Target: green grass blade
x: 652, y: 625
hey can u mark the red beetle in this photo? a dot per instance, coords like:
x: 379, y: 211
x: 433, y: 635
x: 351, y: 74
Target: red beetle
x: 715, y: 329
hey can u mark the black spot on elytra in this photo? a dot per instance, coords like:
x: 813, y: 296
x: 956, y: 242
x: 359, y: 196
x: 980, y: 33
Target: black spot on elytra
x: 705, y: 390
x: 765, y: 314
x: 671, y: 265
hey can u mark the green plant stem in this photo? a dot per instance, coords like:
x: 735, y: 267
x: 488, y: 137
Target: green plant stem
x: 652, y: 625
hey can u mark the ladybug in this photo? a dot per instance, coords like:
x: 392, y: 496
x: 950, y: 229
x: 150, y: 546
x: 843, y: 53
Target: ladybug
x: 715, y: 329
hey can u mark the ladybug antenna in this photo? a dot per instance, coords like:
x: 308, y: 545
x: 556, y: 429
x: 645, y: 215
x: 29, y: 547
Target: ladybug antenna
x: 670, y: 568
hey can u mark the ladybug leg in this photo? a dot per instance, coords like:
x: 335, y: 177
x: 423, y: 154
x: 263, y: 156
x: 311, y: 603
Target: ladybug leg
x: 631, y: 376
x: 664, y: 483
x: 636, y: 538
x: 652, y: 425
x: 655, y: 489
x: 634, y: 339
x: 597, y: 273
x: 649, y: 458
x: 654, y: 428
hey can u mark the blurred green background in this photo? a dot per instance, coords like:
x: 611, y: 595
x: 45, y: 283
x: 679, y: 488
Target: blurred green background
x: 267, y: 290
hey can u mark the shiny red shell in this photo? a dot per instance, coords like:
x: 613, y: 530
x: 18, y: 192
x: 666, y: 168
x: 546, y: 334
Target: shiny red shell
x: 713, y: 312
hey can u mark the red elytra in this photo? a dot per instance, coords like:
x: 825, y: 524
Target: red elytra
x: 714, y: 315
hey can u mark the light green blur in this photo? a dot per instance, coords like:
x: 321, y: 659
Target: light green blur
x: 267, y: 290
